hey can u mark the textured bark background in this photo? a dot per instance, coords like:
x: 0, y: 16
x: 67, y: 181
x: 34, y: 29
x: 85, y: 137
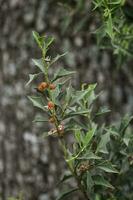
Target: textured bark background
x: 28, y: 163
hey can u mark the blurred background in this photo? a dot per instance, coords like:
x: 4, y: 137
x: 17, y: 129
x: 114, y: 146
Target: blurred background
x: 28, y: 163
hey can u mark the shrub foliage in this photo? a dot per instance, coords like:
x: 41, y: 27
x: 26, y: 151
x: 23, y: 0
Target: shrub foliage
x: 100, y: 157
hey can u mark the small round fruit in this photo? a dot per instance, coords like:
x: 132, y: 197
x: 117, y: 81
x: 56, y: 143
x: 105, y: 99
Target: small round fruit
x: 50, y: 105
x: 42, y: 86
x: 52, y: 86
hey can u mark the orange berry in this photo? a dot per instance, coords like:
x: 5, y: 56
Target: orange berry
x: 42, y: 86
x: 50, y: 105
x: 52, y: 86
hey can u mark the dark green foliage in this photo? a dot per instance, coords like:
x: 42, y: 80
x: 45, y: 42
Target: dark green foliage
x: 99, y: 153
x: 113, y: 20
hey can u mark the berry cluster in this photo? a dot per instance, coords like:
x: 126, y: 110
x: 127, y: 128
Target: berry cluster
x: 59, y: 130
x: 43, y: 85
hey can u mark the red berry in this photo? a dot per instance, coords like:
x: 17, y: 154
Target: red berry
x: 50, y: 105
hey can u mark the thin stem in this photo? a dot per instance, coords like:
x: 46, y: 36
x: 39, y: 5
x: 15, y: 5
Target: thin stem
x: 61, y: 139
x: 77, y: 178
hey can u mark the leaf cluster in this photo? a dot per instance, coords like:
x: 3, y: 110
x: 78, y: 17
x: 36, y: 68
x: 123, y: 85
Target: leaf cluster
x: 113, y: 20
x: 116, y: 30
x: 97, y: 152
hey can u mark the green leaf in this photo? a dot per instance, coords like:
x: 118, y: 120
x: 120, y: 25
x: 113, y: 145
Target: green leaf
x: 116, y: 2
x: 43, y: 41
x: 32, y: 77
x: 58, y: 57
x: 82, y: 112
x: 36, y: 37
x: 55, y: 93
x: 109, y: 27
x: 37, y: 102
x: 99, y: 180
x: 40, y: 64
x: 126, y: 141
x: 112, y: 131
x: 69, y: 91
x: 68, y: 96
x: 125, y: 123
x: 87, y: 94
x: 96, y: 4
x: 48, y: 41
x: 89, y: 181
x: 79, y: 95
x: 62, y: 73
x: 89, y: 135
x: 89, y: 156
x: 67, y: 193
x: 102, y: 111
x: 39, y: 40
x: 40, y: 119
x: 78, y: 137
x: 90, y: 96
x: 107, y: 167
x: 103, y: 142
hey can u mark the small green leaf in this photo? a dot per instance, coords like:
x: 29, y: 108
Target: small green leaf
x: 78, y: 137
x: 89, y: 181
x: 37, y: 102
x: 48, y: 41
x: 89, y: 135
x: 55, y: 93
x: 102, y: 111
x: 109, y: 27
x: 32, y: 77
x: 89, y: 156
x: 126, y: 141
x: 43, y: 41
x: 39, y: 40
x: 79, y: 95
x: 112, y: 131
x: 36, y: 37
x: 67, y: 193
x: 58, y: 57
x: 40, y: 64
x: 103, y: 142
x: 87, y: 94
x: 69, y: 91
x: 62, y: 73
x: 125, y: 123
x: 99, y: 180
x: 40, y: 119
x: 107, y: 167
x: 82, y: 112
